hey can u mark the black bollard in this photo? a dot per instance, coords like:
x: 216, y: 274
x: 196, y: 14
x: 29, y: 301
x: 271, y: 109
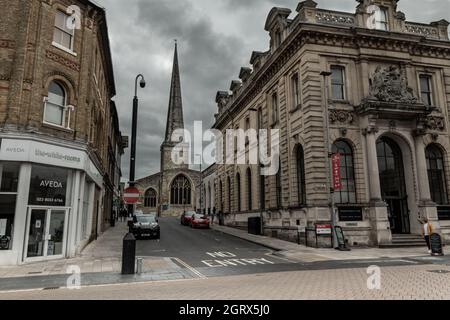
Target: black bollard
x: 129, y: 254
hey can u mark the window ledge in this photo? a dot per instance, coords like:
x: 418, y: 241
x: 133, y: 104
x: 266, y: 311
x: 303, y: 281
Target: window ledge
x: 55, y: 126
x: 60, y: 47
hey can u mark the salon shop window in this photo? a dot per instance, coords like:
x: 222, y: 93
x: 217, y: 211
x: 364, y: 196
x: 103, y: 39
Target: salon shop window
x: 9, y: 180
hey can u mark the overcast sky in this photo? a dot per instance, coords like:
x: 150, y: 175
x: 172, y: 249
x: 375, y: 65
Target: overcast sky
x: 215, y: 37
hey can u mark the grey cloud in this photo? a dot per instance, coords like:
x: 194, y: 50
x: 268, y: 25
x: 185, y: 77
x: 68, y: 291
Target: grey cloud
x: 215, y: 38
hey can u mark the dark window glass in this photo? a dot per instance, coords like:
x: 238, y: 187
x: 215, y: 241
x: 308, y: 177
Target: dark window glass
x: 279, y: 187
x: 275, y: 111
x: 150, y: 199
x: 436, y: 175
x: 238, y: 192
x: 348, y: 192
x: 48, y: 186
x: 295, y: 91
x: 301, y: 181
x: 249, y: 190
x: 9, y: 177
x: 181, y: 191
x: 337, y: 83
x: 229, y: 194
x: 425, y: 90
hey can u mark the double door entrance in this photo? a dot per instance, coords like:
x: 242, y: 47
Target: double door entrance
x: 393, y: 185
x: 46, y: 234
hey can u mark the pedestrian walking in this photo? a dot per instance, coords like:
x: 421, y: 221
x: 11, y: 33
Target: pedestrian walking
x: 213, y: 215
x: 427, y: 231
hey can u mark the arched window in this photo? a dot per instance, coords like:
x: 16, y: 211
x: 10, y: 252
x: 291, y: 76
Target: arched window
x: 249, y: 190
x: 181, y: 191
x: 436, y: 175
x: 229, y: 194
x: 347, y: 194
x: 55, y: 105
x: 238, y: 192
x: 301, y: 181
x: 150, y: 200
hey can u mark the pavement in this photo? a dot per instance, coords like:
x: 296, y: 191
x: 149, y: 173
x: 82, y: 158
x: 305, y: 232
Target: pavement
x: 396, y: 283
x: 183, y: 253
x: 300, y: 253
x: 103, y: 256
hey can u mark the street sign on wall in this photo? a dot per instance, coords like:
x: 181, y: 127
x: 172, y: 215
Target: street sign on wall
x: 131, y: 195
x: 336, y: 160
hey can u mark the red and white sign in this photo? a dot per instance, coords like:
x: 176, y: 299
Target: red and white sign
x: 131, y: 195
x: 324, y: 229
x: 336, y: 160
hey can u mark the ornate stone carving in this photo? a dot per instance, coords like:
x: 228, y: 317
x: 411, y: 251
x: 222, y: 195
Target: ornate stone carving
x: 426, y: 31
x: 61, y: 60
x: 222, y: 99
x: 435, y: 123
x: 341, y: 116
x: 328, y: 17
x: 7, y: 44
x: 391, y: 85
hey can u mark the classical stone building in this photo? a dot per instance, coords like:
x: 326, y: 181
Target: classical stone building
x: 59, y: 131
x: 173, y: 189
x: 384, y: 84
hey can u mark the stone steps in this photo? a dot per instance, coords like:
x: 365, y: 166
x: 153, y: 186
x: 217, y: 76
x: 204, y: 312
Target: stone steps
x: 404, y: 241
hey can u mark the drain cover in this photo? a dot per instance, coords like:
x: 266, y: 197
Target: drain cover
x: 440, y: 271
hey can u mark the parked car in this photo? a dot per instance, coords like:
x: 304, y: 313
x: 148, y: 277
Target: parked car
x: 186, y: 218
x: 146, y: 226
x: 200, y: 221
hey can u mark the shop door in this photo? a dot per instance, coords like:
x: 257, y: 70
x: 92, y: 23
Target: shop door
x: 47, y: 233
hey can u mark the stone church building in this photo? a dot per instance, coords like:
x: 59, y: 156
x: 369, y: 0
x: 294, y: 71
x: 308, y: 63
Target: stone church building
x: 173, y: 189
x: 383, y: 82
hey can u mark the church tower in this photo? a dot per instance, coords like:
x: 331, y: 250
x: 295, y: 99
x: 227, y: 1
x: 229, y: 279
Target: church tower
x: 175, y: 119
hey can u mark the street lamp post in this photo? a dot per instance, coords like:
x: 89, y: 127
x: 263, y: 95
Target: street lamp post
x: 132, y: 182
x: 329, y: 149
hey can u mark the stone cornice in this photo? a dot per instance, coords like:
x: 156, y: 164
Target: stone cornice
x: 356, y: 38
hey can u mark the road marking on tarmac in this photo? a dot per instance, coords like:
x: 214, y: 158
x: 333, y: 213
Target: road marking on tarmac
x: 228, y: 259
x: 192, y: 269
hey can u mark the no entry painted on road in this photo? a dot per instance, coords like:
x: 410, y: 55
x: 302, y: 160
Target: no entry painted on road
x: 131, y: 195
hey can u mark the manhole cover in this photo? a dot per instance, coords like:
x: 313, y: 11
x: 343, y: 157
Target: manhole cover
x: 440, y: 271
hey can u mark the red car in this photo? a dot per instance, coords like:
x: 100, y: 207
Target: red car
x: 186, y: 218
x: 200, y: 221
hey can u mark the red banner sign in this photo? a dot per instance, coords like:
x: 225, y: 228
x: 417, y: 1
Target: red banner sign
x: 336, y: 160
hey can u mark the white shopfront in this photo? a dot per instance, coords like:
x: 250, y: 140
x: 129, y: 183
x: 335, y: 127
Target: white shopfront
x: 50, y: 200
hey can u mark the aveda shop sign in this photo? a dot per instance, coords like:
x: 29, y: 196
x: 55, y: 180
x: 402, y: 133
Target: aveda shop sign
x: 48, y: 186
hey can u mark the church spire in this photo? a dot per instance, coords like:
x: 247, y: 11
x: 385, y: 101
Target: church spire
x: 175, y: 115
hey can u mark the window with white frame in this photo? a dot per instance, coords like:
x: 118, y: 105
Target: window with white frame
x: 55, y: 105
x: 381, y: 19
x: 64, y: 32
x: 426, y: 91
x: 338, y: 82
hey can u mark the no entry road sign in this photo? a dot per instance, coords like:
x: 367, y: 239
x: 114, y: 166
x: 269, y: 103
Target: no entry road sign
x: 131, y: 195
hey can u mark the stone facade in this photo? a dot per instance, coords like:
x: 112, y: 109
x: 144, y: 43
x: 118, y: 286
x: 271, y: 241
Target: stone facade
x: 158, y: 195
x: 32, y: 60
x: 373, y: 84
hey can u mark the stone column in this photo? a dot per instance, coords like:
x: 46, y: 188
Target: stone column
x: 427, y: 208
x: 372, y: 163
x: 380, y: 233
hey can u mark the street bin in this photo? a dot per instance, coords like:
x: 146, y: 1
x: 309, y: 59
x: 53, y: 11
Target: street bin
x: 254, y: 226
x: 129, y: 254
